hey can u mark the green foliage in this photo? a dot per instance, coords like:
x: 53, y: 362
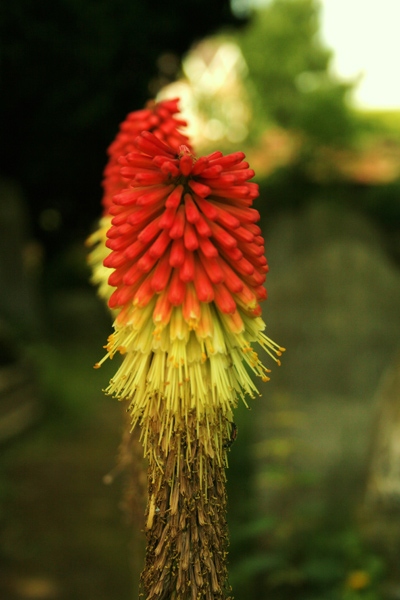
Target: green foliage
x: 324, y: 115
x: 290, y: 544
x: 288, y: 72
x: 279, y: 46
x: 309, y: 560
x: 383, y: 121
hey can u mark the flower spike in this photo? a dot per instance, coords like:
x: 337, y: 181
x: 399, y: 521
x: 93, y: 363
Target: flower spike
x: 186, y: 259
x: 184, y: 250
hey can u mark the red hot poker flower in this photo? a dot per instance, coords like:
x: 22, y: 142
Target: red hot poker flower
x: 189, y: 268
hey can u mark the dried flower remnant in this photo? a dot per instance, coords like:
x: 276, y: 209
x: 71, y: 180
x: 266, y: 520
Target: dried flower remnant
x: 187, y: 537
x: 188, y: 266
x: 160, y: 119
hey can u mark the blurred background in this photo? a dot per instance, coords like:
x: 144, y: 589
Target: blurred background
x: 309, y: 90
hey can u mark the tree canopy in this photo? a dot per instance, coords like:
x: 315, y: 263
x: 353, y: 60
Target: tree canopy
x: 289, y: 69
